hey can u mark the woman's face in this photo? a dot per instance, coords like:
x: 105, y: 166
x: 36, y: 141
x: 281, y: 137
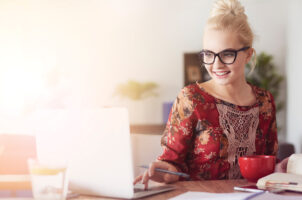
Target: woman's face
x: 225, y: 74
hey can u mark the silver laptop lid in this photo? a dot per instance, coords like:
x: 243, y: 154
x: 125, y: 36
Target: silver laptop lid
x: 96, y: 145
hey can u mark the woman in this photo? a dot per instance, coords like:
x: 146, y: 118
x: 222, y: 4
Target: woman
x: 212, y: 124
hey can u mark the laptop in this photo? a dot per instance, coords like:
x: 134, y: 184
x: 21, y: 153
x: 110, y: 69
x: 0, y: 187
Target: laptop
x: 96, y: 146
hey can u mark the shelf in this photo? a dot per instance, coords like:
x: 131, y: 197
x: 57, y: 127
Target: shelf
x: 152, y: 129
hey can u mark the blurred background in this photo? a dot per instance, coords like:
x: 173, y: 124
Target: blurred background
x: 74, y: 53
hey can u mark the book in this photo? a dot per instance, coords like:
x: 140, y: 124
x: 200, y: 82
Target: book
x: 285, y: 181
x: 291, y: 180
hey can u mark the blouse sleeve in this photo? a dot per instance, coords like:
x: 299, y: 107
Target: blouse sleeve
x: 272, y: 138
x: 176, y: 139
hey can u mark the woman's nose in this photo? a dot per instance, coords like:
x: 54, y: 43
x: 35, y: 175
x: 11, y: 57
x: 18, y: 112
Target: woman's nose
x: 217, y: 63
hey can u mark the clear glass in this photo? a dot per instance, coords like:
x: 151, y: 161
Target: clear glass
x: 48, y: 182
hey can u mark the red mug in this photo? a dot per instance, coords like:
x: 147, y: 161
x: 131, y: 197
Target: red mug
x: 256, y: 166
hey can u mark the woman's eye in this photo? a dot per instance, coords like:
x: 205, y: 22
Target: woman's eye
x: 208, y: 54
x: 228, y: 54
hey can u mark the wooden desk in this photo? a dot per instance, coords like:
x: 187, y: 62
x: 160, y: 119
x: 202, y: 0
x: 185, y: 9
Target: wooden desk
x: 217, y: 186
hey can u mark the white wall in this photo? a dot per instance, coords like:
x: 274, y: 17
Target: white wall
x: 294, y: 70
x: 70, y: 53
x: 268, y: 19
x: 74, y: 53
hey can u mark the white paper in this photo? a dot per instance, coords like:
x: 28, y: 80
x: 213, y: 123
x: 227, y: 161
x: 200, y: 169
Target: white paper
x: 235, y: 196
x: 271, y: 196
x: 211, y: 196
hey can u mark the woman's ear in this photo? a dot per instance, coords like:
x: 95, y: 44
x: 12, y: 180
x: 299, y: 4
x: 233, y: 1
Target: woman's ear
x: 250, y: 52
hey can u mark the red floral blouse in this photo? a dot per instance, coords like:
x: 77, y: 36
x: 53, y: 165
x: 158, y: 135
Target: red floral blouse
x: 205, y: 136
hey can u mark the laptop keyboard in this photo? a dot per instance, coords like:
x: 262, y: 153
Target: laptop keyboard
x: 140, y: 189
x: 139, y: 192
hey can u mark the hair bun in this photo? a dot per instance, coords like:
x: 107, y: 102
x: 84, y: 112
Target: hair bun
x: 227, y: 7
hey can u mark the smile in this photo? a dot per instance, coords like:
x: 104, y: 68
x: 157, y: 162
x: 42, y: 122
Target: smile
x: 220, y: 74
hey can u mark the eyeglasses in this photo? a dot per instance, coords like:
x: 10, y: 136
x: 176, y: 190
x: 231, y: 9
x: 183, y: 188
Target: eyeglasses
x: 227, y: 56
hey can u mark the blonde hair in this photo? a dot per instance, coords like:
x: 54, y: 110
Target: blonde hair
x: 229, y: 15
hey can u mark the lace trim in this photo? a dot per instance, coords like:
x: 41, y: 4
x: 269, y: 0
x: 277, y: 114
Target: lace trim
x: 240, y: 128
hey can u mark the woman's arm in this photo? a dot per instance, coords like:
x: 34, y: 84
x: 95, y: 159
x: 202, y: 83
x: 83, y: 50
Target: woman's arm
x: 161, y: 177
x: 175, y: 141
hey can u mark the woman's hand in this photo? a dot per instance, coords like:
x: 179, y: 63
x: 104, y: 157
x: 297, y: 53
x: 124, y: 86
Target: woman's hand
x: 157, y: 176
x: 282, y: 166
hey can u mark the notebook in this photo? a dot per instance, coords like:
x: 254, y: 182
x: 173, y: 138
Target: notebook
x: 96, y: 145
x: 291, y: 180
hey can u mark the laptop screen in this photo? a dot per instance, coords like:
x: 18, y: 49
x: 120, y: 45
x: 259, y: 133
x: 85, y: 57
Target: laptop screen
x: 95, y: 144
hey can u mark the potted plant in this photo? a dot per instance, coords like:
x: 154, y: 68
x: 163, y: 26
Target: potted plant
x: 135, y: 90
x: 267, y: 77
x: 136, y: 96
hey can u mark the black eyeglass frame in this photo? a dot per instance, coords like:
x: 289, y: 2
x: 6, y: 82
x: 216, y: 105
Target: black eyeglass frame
x: 217, y: 54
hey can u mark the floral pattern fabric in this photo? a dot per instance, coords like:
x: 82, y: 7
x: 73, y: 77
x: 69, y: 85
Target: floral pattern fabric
x: 196, y: 142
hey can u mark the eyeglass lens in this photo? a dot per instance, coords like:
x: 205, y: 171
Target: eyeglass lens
x: 226, y: 57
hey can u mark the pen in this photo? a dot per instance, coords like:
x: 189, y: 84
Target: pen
x: 254, y: 195
x: 167, y: 171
